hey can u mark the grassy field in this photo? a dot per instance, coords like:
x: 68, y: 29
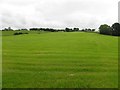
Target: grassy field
x: 60, y: 60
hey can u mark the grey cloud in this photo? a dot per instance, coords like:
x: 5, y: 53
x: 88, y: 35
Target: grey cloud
x: 57, y: 13
x: 119, y: 12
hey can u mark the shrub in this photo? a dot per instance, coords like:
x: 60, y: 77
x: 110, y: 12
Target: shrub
x: 19, y: 33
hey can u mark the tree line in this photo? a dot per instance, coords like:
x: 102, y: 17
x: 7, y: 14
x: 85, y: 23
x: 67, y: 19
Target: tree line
x: 113, y: 30
x: 103, y: 29
x: 51, y: 29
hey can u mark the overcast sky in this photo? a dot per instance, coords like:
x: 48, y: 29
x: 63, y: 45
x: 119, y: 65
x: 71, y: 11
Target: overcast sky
x: 57, y: 13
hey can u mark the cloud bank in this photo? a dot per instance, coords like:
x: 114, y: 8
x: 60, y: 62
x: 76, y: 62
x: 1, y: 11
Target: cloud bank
x: 57, y: 13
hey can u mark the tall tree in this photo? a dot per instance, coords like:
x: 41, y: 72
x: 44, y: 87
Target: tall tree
x: 105, y: 29
x: 116, y: 29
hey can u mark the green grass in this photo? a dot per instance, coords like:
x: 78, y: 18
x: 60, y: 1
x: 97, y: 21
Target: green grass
x: 60, y: 60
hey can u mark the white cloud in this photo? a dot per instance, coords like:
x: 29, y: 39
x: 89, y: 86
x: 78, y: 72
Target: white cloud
x: 58, y: 13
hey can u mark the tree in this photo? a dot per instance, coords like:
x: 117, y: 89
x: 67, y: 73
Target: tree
x: 68, y: 30
x: 7, y: 29
x: 24, y: 29
x: 33, y: 29
x: 105, y: 29
x: 76, y: 29
x: 89, y: 30
x: 93, y: 30
x: 116, y: 29
x: 83, y: 30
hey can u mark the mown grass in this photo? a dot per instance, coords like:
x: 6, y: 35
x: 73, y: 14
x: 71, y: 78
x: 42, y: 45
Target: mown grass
x: 60, y: 60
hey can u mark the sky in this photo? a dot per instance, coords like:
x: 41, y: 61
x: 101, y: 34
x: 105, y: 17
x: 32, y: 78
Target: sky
x: 57, y: 13
x: 119, y: 12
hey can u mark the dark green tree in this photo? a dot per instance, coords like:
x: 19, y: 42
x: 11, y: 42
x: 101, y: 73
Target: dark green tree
x: 93, y: 30
x: 68, y: 30
x: 116, y: 29
x: 105, y: 29
x: 76, y: 29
